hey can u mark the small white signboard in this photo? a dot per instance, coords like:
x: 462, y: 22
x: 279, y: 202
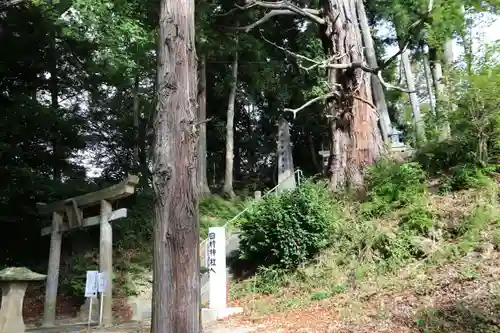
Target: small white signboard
x: 216, y: 258
x: 102, y: 282
x: 91, y: 284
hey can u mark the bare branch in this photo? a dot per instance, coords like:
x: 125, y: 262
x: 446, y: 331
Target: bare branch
x: 309, y: 103
x: 327, y: 63
x: 395, y: 55
x: 281, y: 8
x: 296, y: 55
x: 365, y: 101
x: 389, y: 86
x: 267, y: 17
x: 203, y: 122
x: 406, y: 43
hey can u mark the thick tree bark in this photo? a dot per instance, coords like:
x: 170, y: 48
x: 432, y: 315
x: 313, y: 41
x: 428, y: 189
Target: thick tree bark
x: 355, y: 137
x: 135, y: 114
x: 228, y: 175
x: 439, y: 88
x: 428, y: 83
x: 467, y: 40
x: 415, y: 104
x: 371, y: 59
x: 176, y: 262
x: 202, y: 139
x: 54, y: 103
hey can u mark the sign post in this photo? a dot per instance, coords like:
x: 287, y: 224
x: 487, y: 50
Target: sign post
x: 101, y: 287
x: 216, y: 263
x: 91, y: 289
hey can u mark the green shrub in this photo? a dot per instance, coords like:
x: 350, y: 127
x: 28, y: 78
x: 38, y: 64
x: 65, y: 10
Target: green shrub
x: 391, y: 185
x: 480, y: 219
x: 286, y: 230
x: 467, y: 176
x: 438, y: 156
x: 419, y: 220
x: 269, y: 280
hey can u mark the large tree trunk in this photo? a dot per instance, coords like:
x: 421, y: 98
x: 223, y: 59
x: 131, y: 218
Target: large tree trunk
x: 371, y: 59
x: 54, y: 103
x: 355, y: 137
x: 415, y: 104
x: 228, y: 176
x: 428, y: 83
x: 439, y: 87
x: 202, y: 139
x: 467, y: 40
x: 136, y: 116
x: 176, y: 262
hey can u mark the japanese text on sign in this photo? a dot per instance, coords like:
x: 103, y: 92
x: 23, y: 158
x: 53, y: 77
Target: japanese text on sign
x: 211, y: 250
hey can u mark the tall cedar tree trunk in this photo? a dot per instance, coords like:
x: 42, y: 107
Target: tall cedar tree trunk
x: 439, y: 88
x: 135, y: 112
x: 251, y: 156
x: 228, y: 175
x: 428, y: 83
x: 467, y: 41
x: 202, y: 139
x: 54, y: 103
x: 418, y: 124
x: 356, y: 141
x: 371, y: 59
x: 176, y: 262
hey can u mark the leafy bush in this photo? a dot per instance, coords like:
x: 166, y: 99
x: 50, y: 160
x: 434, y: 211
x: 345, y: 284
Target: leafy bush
x: 392, y: 185
x: 466, y: 176
x: 419, y: 220
x: 286, y: 230
x: 438, y: 156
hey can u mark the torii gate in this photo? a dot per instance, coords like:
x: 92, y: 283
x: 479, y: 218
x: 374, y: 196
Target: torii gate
x: 67, y: 214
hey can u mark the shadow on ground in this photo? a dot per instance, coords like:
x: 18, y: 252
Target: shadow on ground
x: 238, y: 268
x: 479, y: 315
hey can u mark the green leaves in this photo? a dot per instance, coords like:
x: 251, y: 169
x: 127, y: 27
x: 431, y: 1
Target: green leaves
x: 287, y: 230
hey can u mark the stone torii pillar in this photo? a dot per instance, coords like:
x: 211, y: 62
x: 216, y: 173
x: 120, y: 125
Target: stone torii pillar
x: 286, y: 178
x: 68, y: 214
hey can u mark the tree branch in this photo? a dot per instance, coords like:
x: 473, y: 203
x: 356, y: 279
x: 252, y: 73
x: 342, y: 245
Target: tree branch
x: 389, y: 86
x: 327, y: 63
x: 411, y: 30
x: 267, y: 17
x: 281, y: 8
x: 285, y: 8
x: 309, y: 103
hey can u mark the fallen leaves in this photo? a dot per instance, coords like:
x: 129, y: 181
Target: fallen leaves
x: 435, y: 300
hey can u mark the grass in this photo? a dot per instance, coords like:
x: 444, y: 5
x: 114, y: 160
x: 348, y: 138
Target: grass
x: 216, y: 211
x: 449, y: 287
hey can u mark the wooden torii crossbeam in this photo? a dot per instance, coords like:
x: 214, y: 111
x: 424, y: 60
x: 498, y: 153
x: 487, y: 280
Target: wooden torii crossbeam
x: 68, y: 214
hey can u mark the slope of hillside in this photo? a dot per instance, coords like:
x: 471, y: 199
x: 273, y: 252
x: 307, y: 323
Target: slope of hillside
x: 453, y: 285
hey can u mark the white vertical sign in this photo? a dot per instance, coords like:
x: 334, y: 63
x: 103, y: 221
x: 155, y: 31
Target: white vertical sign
x: 91, y: 284
x: 101, y: 278
x: 217, y: 267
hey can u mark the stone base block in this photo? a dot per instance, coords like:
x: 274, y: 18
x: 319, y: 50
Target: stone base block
x: 211, y: 315
x: 140, y: 308
x: 85, y: 308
